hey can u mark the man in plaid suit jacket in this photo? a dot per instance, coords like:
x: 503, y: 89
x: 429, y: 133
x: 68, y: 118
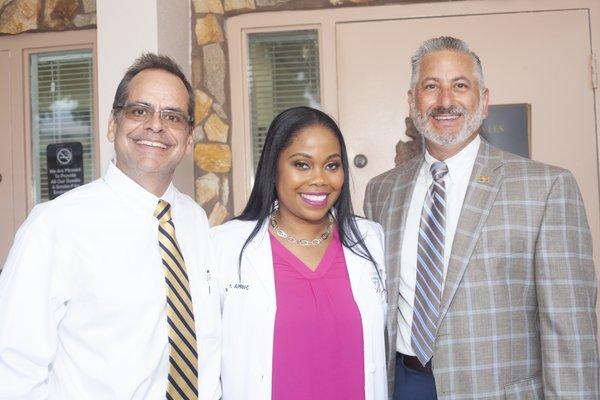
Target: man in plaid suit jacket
x: 517, y: 317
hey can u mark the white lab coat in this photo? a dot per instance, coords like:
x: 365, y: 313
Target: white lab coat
x: 248, y: 309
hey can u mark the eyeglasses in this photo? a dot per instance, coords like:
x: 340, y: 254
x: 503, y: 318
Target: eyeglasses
x: 142, y: 113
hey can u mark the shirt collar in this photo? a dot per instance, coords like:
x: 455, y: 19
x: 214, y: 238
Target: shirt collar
x: 135, y: 196
x: 459, y: 163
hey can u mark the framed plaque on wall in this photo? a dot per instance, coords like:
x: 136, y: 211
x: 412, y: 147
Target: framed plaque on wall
x: 508, y: 127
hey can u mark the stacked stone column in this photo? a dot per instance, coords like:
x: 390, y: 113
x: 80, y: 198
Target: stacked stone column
x: 18, y: 16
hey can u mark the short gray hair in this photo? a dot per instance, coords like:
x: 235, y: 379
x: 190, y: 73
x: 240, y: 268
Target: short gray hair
x: 439, y: 44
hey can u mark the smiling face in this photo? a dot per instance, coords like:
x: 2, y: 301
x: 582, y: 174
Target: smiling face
x: 148, y: 151
x: 309, y: 177
x: 447, y: 105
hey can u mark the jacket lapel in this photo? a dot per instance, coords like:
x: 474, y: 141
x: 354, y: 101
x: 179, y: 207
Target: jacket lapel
x: 259, y: 257
x: 484, y: 184
x: 356, y: 273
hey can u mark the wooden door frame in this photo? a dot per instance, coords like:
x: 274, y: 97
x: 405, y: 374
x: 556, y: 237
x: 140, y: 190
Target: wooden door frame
x: 24, y: 45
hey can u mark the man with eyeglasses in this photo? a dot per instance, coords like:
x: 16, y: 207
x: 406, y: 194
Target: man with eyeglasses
x: 106, y: 292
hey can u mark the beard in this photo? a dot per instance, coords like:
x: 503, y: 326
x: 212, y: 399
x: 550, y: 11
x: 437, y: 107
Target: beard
x: 472, y: 123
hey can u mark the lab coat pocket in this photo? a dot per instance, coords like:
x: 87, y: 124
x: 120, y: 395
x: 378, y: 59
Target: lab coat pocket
x: 380, y: 294
x: 241, y: 312
x: 236, y: 296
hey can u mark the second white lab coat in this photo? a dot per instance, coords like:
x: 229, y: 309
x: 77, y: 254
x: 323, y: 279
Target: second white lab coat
x: 249, y: 305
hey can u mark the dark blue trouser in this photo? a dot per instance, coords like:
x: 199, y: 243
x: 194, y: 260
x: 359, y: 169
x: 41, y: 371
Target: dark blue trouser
x: 410, y: 384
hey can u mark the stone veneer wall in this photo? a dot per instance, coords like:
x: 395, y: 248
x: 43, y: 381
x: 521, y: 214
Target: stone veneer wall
x: 212, y: 141
x: 18, y: 16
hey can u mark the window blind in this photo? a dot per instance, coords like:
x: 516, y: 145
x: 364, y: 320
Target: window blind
x: 283, y: 72
x: 62, y: 110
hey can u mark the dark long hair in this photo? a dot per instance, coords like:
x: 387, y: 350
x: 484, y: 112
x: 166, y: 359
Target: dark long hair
x: 281, y: 133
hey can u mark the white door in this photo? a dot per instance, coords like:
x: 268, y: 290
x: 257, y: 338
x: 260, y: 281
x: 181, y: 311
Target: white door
x: 540, y: 58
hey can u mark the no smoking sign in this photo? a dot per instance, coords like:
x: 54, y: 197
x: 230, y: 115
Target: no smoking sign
x: 65, y: 167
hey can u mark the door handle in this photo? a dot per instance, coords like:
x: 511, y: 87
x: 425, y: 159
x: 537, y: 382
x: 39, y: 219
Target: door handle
x: 360, y: 161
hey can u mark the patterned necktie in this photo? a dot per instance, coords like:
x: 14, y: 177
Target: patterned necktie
x: 430, y: 266
x: 183, y: 356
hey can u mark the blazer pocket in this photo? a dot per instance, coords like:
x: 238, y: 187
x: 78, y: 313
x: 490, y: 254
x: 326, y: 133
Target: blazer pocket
x: 526, y: 389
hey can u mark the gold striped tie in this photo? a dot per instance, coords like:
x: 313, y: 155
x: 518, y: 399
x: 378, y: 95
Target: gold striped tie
x: 183, y: 356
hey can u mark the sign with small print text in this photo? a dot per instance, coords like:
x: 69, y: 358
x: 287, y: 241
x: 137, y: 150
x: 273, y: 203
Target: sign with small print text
x: 507, y: 127
x: 65, y: 167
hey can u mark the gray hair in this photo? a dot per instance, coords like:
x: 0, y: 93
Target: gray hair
x: 443, y: 43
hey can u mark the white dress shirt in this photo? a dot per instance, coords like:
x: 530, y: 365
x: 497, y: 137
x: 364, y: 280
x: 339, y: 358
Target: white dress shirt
x: 456, y: 182
x: 83, y: 297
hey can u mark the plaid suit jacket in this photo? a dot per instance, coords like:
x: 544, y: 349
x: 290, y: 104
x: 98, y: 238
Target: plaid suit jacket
x: 518, y: 314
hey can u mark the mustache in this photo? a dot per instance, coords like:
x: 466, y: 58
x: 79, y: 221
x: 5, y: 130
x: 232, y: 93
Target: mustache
x: 452, y: 110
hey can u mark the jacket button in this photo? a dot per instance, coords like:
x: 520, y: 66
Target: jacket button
x: 371, y: 367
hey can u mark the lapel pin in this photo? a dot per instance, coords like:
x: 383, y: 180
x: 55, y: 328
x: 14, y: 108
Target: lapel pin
x: 483, y: 179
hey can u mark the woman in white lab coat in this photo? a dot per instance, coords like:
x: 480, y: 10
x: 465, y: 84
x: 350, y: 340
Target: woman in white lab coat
x: 303, y: 297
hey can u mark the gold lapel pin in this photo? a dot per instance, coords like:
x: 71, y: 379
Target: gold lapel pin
x: 483, y: 179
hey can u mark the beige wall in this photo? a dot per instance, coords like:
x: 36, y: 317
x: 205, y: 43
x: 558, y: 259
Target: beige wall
x: 120, y: 41
x: 174, y: 39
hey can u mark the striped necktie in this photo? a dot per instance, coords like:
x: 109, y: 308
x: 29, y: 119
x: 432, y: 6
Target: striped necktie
x: 183, y: 357
x: 430, y: 266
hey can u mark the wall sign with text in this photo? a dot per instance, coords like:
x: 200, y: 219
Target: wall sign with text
x: 65, y: 167
x: 508, y: 128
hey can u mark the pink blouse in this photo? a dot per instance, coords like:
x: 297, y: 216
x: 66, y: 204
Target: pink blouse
x: 318, y: 341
